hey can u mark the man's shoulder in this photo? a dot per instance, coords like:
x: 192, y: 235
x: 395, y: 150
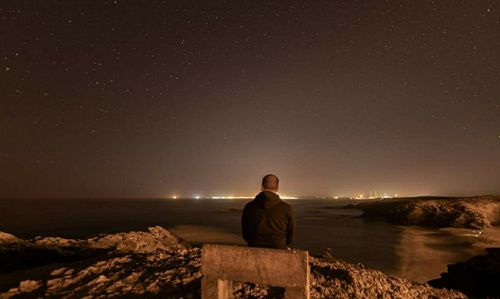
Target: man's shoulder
x: 286, y: 205
x: 249, y: 204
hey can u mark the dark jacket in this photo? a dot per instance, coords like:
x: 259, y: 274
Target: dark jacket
x: 267, y: 221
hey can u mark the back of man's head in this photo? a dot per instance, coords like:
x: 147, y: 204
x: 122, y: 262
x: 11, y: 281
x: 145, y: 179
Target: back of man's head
x: 270, y: 182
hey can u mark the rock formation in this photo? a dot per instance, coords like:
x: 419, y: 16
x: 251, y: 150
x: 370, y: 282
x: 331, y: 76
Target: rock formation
x: 470, y: 212
x: 477, y: 277
x: 157, y: 264
x: 16, y: 254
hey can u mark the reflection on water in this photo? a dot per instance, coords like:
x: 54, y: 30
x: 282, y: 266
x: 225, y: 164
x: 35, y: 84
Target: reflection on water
x: 425, y: 253
x: 409, y: 252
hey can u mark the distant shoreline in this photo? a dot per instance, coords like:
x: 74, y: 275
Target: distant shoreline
x: 477, y: 212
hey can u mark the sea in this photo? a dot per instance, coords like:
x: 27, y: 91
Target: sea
x: 322, y: 226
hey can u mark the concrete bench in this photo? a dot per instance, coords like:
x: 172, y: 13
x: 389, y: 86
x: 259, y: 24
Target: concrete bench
x: 220, y: 265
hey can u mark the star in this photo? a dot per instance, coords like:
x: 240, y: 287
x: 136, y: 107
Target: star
x: 320, y: 86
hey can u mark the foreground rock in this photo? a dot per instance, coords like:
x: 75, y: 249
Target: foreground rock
x: 17, y: 254
x: 471, y: 212
x: 477, y: 277
x: 151, y: 264
x: 338, y: 279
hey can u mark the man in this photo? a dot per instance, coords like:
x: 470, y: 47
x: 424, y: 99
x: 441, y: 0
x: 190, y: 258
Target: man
x: 267, y: 221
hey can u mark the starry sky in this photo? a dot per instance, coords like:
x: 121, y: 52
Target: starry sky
x: 162, y: 98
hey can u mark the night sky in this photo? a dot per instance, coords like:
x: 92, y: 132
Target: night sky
x: 155, y: 99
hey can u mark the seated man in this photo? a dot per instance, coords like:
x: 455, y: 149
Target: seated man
x: 267, y: 221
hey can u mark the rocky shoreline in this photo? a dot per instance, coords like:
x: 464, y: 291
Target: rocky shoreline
x: 478, y: 276
x: 158, y: 264
x: 469, y: 212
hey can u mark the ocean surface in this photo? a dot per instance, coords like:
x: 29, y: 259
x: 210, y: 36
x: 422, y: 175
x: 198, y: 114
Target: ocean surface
x: 410, y: 252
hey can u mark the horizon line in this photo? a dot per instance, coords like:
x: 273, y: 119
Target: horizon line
x: 241, y: 197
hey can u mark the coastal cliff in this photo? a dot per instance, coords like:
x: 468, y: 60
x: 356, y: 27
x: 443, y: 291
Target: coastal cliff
x: 469, y: 212
x: 158, y: 264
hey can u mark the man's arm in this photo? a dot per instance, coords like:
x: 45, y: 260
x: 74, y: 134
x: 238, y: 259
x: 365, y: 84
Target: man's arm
x: 290, y: 231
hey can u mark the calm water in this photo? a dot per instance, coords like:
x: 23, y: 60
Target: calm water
x: 409, y: 252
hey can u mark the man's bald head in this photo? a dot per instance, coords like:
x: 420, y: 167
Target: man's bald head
x: 270, y: 183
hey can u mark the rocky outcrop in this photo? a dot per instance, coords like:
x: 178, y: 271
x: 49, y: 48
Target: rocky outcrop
x: 157, y: 238
x: 337, y: 279
x: 470, y: 212
x: 477, y: 277
x: 170, y: 273
x: 8, y: 240
x: 17, y: 254
x: 150, y: 264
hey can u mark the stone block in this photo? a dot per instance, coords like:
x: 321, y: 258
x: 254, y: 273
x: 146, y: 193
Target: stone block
x: 274, y: 267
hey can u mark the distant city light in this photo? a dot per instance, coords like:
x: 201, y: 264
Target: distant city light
x: 359, y: 196
x: 249, y: 197
x: 231, y: 197
x: 363, y: 196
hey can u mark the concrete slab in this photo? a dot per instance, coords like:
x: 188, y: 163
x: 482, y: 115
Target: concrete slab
x: 274, y: 267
